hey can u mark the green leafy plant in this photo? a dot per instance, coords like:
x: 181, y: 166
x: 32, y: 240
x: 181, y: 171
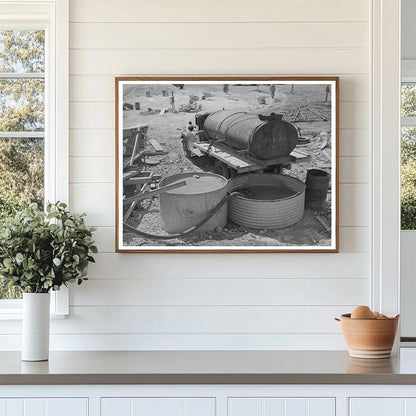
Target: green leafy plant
x: 408, y: 196
x: 43, y: 251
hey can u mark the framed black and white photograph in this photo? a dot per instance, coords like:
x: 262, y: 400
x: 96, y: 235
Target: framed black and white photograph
x: 227, y: 164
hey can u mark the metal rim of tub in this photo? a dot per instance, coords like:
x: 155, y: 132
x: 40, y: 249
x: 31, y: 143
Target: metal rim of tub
x: 263, y: 214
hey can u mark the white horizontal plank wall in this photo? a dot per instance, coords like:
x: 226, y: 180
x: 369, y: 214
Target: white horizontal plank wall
x: 197, y: 301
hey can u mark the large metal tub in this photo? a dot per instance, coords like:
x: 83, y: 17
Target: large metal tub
x: 276, y: 201
x: 184, y: 207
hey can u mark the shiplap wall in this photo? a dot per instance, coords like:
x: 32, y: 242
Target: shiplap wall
x: 185, y: 301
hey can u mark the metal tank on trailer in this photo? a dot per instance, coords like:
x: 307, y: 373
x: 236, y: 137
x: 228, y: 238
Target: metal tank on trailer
x: 265, y: 137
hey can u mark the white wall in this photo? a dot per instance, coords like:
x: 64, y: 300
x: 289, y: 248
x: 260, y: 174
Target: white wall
x: 174, y: 301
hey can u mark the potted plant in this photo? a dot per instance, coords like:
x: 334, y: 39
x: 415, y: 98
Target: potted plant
x: 40, y: 252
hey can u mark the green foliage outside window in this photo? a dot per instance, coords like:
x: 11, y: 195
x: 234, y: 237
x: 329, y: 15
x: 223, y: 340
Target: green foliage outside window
x: 408, y: 161
x: 21, y: 110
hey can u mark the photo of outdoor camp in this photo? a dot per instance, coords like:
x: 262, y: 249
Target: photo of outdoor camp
x: 227, y: 164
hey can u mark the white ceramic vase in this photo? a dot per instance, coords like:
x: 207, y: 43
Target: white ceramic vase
x: 35, y: 326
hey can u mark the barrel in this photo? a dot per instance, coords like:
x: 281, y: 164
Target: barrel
x: 317, y: 185
x: 265, y: 137
x: 185, y: 207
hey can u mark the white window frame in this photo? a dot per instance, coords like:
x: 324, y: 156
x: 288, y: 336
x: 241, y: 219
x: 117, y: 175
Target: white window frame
x: 408, y: 237
x: 385, y: 242
x: 53, y: 17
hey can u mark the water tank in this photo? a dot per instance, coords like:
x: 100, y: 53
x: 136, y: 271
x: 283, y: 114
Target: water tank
x: 184, y: 207
x: 265, y: 137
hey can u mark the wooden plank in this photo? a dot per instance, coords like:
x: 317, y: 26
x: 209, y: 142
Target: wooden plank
x: 137, y: 181
x: 128, y: 175
x: 91, y: 169
x: 323, y: 223
x: 133, y: 153
x: 218, y: 35
x: 133, y: 205
x: 327, y: 154
x: 319, y: 266
x: 97, y: 199
x: 226, y: 155
x: 185, y: 11
x: 354, y: 203
x: 128, y: 161
x: 186, y: 321
x: 218, y: 292
x: 299, y: 156
x: 354, y: 169
x: 354, y: 142
x: 294, y: 61
x: 196, y: 152
x: 177, y: 341
x: 155, y: 144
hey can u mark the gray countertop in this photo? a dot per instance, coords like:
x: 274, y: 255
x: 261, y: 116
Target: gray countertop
x: 208, y: 367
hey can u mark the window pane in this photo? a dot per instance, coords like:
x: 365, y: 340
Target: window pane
x: 22, y: 51
x: 22, y: 105
x: 9, y: 292
x: 21, y: 182
x: 408, y: 99
x: 21, y: 173
x: 408, y: 178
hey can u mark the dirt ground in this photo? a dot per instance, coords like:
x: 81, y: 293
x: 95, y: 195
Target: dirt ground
x: 167, y: 129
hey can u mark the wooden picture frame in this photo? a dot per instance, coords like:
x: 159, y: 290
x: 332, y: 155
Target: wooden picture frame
x: 227, y: 164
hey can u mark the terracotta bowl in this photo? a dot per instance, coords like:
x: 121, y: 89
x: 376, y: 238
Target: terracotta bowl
x: 369, y: 338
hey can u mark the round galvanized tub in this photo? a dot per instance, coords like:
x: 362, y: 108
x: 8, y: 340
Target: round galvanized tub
x: 266, y: 201
x: 184, y: 207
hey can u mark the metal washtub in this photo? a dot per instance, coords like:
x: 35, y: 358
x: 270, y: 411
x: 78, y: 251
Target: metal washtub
x: 277, y: 212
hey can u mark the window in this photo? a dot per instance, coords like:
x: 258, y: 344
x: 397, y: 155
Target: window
x: 22, y: 124
x: 408, y: 154
x: 33, y: 111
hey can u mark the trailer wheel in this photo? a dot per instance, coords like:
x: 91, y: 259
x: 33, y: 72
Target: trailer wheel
x: 221, y: 169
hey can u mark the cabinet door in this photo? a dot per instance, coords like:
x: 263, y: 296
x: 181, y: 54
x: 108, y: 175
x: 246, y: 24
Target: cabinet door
x: 270, y: 406
x: 382, y: 407
x: 160, y: 406
x: 44, y: 407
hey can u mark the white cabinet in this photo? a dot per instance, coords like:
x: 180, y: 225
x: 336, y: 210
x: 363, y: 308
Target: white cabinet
x: 44, y: 407
x: 382, y: 406
x: 281, y: 406
x: 208, y: 400
x: 146, y: 406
